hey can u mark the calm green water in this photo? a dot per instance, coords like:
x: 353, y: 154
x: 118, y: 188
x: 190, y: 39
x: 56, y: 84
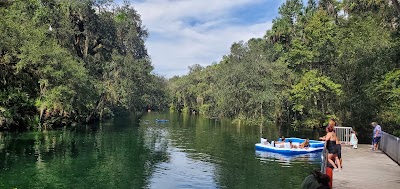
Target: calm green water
x: 186, y: 152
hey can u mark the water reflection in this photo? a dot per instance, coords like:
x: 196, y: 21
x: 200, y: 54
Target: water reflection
x: 186, y: 152
x: 183, y: 166
x: 111, y: 156
x: 183, y: 171
x: 205, y: 153
x: 288, y: 161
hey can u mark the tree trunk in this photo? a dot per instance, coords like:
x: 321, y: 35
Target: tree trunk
x: 101, y: 114
x: 99, y: 105
x: 40, y: 117
x: 86, y: 47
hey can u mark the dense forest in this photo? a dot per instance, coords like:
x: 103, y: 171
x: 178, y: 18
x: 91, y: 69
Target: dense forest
x: 65, y: 62
x: 326, y: 58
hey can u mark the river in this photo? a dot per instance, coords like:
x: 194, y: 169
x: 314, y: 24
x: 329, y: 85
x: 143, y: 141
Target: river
x: 125, y: 152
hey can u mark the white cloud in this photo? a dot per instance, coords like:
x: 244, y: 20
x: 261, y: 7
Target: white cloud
x: 187, y: 32
x: 198, y: 48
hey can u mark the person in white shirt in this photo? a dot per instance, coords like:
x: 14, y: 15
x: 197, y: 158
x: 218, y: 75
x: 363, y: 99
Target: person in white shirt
x: 353, y: 139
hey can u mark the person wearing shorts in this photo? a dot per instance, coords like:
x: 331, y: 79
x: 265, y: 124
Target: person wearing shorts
x: 376, y: 135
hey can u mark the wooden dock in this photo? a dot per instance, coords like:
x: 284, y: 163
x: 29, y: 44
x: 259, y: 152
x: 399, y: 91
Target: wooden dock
x: 364, y: 168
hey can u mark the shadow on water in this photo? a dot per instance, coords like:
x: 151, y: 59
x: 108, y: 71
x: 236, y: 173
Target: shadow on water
x: 185, y: 152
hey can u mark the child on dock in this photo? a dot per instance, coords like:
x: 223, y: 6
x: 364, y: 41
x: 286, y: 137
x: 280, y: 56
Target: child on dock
x: 353, y: 139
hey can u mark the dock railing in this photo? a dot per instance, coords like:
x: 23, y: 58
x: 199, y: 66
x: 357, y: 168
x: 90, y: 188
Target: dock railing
x: 324, y: 166
x: 324, y: 158
x: 390, y: 145
x: 343, y: 134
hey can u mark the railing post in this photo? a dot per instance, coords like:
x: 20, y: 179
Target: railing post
x: 324, y: 166
x: 324, y: 159
x: 343, y: 134
x: 398, y: 149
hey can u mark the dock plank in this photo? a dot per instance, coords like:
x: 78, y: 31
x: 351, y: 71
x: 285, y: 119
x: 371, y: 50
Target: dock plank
x: 364, y: 168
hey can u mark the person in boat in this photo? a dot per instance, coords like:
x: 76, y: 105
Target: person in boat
x: 265, y: 141
x: 283, y: 141
x: 330, y: 140
x: 292, y: 145
x: 305, y: 144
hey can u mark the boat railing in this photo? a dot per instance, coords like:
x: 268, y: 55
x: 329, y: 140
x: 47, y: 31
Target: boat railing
x: 390, y: 145
x: 343, y: 134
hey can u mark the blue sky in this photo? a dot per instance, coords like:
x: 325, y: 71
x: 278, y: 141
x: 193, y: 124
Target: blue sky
x: 188, y: 32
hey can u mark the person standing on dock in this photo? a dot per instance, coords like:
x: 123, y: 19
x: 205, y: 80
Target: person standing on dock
x: 376, y: 135
x: 354, y: 139
x: 332, y: 123
x: 331, y: 140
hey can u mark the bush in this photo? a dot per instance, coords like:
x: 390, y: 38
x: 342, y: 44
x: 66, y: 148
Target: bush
x: 396, y: 133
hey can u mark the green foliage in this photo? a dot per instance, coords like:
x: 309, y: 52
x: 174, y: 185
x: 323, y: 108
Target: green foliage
x: 72, y: 61
x: 313, y: 47
x: 396, y: 133
x: 81, y: 61
x: 326, y: 59
x: 364, y: 54
x: 241, y: 86
x: 313, y: 96
x: 388, y: 92
x: 15, y: 108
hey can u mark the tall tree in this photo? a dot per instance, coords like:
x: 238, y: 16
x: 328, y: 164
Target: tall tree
x: 71, y: 61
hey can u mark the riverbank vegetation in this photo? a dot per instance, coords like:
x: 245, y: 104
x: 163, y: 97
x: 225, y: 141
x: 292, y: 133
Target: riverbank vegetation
x: 320, y: 59
x: 64, y: 62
